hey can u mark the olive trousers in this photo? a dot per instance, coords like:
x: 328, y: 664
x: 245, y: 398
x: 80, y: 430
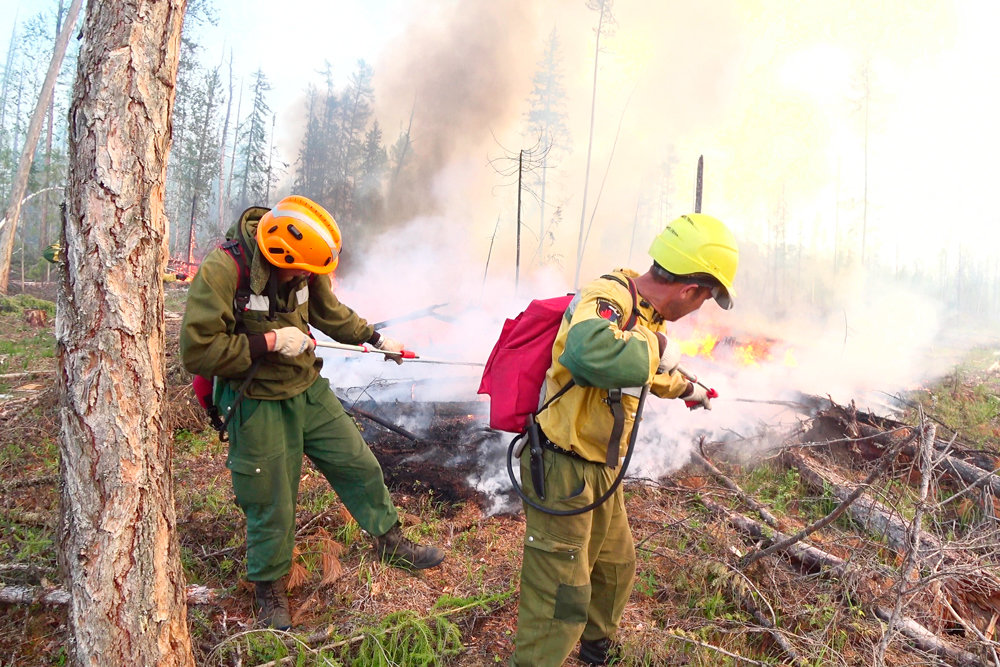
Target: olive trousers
x: 266, y: 442
x: 577, y: 572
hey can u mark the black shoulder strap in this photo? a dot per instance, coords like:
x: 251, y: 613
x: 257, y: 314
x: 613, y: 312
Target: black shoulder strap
x: 614, y: 399
x: 237, y: 249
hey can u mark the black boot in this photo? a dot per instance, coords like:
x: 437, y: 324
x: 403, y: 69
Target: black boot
x: 393, y: 548
x: 272, y: 600
x: 597, y: 651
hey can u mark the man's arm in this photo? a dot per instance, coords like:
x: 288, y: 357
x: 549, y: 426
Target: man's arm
x: 598, y: 352
x: 333, y: 318
x: 209, y: 345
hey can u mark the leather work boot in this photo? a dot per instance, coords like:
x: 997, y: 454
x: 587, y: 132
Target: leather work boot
x: 598, y: 651
x: 393, y: 548
x: 272, y: 600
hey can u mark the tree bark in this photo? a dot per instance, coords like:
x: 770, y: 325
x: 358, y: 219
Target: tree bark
x: 119, y: 548
x: 9, y: 224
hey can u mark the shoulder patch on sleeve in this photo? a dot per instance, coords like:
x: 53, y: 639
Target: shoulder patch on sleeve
x: 609, y: 310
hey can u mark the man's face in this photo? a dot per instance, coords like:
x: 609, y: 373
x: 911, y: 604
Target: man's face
x: 677, y: 300
x: 288, y: 275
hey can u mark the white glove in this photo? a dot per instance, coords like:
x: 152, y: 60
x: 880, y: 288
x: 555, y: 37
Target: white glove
x: 671, y: 356
x: 387, y: 344
x: 292, y: 341
x: 698, y: 398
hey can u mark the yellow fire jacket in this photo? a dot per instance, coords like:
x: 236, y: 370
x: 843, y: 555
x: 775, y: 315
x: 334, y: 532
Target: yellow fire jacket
x: 593, y: 350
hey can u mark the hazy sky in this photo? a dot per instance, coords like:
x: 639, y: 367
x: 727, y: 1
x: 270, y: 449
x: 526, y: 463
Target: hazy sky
x: 770, y: 92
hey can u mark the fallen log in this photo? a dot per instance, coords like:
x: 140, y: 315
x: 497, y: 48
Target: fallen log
x: 748, y: 500
x: 845, y: 504
x: 810, y: 557
x: 875, y: 434
x: 829, y: 565
x: 51, y: 596
x: 968, y: 584
x: 55, y: 596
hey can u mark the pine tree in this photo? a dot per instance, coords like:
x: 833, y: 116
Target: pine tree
x: 546, y: 120
x: 118, y: 538
x: 605, y: 27
x: 368, y: 196
x: 200, y: 156
x: 254, y: 147
x: 353, y: 121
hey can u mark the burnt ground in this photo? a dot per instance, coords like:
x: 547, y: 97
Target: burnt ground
x: 694, y: 602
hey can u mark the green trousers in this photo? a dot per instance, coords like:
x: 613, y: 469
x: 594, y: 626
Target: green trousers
x: 266, y: 442
x: 578, y: 571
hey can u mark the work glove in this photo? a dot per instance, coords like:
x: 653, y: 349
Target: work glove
x: 698, y: 397
x: 387, y: 344
x: 670, y: 354
x: 292, y: 341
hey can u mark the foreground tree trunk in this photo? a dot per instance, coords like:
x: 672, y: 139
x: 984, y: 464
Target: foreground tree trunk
x: 119, y: 548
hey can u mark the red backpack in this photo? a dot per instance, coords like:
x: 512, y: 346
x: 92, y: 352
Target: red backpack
x: 516, y: 368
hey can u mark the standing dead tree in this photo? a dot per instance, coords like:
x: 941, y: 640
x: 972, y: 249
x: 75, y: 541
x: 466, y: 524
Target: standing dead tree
x: 527, y: 160
x: 119, y: 548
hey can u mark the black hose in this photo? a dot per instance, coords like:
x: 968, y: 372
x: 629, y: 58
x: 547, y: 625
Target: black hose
x: 607, y: 494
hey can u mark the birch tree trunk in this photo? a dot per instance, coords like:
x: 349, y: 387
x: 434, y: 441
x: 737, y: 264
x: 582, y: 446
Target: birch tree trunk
x: 119, y: 548
x: 9, y: 223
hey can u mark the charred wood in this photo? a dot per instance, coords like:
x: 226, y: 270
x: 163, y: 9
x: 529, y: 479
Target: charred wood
x: 876, y: 434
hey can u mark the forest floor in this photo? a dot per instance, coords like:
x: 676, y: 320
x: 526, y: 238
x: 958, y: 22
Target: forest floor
x: 696, y: 601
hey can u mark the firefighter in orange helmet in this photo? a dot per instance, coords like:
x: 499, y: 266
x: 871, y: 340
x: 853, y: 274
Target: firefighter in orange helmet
x: 247, y: 324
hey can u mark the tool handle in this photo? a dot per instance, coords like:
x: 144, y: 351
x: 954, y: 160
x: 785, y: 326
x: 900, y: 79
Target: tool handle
x: 402, y: 354
x: 691, y: 377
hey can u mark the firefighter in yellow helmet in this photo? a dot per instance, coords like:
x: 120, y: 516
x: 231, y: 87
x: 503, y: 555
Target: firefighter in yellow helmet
x: 577, y: 570
x: 246, y: 323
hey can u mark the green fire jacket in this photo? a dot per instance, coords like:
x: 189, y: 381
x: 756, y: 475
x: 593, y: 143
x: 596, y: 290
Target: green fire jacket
x: 211, y: 345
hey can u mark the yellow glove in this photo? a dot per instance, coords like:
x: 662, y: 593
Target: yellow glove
x: 387, y: 344
x: 292, y: 341
x: 699, y: 397
x: 670, y: 354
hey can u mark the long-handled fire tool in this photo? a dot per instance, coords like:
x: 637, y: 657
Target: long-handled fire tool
x: 691, y: 377
x: 408, y: 355
x: 712, y: 393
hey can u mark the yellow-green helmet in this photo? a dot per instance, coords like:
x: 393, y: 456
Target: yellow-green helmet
x: 696, y: 245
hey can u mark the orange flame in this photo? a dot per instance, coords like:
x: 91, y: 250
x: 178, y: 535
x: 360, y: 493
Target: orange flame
x: 699, y: 347
x: 753, y: 352
x: 750, y: 354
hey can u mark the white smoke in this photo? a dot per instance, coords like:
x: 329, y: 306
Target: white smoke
x: 774, y: 150
x: 870, y: 342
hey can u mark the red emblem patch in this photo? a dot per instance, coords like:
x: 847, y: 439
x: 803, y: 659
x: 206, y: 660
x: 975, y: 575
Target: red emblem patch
x: 608, y: 310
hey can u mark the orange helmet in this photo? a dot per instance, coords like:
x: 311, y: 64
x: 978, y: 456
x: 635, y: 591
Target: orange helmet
x: 298, y: 233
